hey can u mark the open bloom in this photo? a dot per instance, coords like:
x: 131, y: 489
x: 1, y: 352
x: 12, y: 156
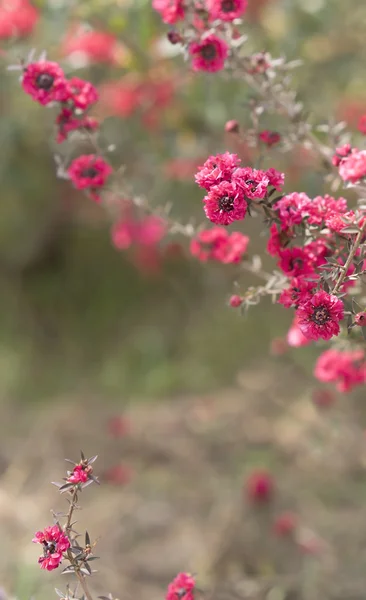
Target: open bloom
x: 80, y: 474
x: 225, y: 203
x: 171, y: 11
x: 209, y: 54
x: 89, y: 172
x: 227, y: 10
x: 319, y: 317
x: 252, y: 182
x: 182, y: 587
x: 353, y: 167
x: 216, y: 169
x: 45, y: 82
x: 17, y: 18
x: 345, y: 368
x: 269, y: 138
x: 54, y: 543
x: 82, y: 94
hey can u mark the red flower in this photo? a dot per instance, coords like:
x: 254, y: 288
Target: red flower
x: 275, y: 178
x: 67, y: 122
x: 217, y: 169
x: 344, y: 368
x: 296, y: 261
x: 81, y: 93
x: 232, y: 126
x: 319, y: 316
x: 300, y: 291
x: 209, y: 54
x: 227, y: 10
x: 90, y: 172
x: 360, y: 319
x: 17, y: 18
x: 54, y: 543
x: 218, y: 244
x: 45, y: 82
x: 270, y: 138
x: 340, y: 154
x: 225, y: 204
x: 181, y: 588
x: 291, y: 208
x: 171, y: 10
x: 259, y: 486
x: 118, y: 475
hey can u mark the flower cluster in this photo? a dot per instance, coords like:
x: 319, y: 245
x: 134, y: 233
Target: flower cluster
x: 345, y: 368
x: 54, y: 543
x: 230, y: 188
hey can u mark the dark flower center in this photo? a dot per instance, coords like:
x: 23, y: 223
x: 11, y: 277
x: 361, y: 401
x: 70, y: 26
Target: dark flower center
x: 226, y: 204
x: 208, y: 52
x: 228, y: 6
x: 252, y: 184
x: 90, y: 172
x: 45, y: 81
x: 49, y: 547
x: 320, y: 315
x: 296, y: 262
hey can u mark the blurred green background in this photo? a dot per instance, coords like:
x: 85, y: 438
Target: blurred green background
x: 85, y: 331
x: 77, y: 314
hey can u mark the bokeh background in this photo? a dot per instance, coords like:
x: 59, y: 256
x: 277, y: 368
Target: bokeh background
x: 89, y: 334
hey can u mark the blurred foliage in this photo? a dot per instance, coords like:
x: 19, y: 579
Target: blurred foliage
x: 75, y: 313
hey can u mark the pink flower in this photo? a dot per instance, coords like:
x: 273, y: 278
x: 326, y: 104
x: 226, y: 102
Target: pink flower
x: 232, y: 126
x: 285, y: 524
x: 80, y: 474
x: 66, y: 123
x: 218, y: 244
x: 217, y: 169
x: 89, y: 172
x: 118, y: 426
x: 148, y: 232
x: 171, y: 10
x: 353, y: 167
x: 319, y: 316
x: 82, y: 94
x: 296, y: 261
x: 277, y: 239
x: 275, y: 178
x: 300, y: 291
x: 227, y: 10
x: 291, y: 208
x: 360, y: 319
x: 340, y: 154
x: 252, y: 182
x: 45, y: 82
x: 18, y: 18
x: 235, y: 301
x: 295, y: 337
x: 181, y: 588
x: 92, y: 46
x: 345, y: 368
x: 225, y: 204
x: 209, y: 54
x: 269, y: 138
x: 118, y: 475
x: 259, y: 486
x: 362, y: 124
x: 54, y: 543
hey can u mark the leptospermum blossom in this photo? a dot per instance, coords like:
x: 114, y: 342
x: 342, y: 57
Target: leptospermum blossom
x: 217, y: 169
x: 209, y: 54
x: 89, y: 172
x: 226, y: 10
x: 259, y: 486
x: 17, y: 18
x: 182, y: 587
x: 219, y: 245
x: 353, y: 167
x: 54, y: 543
x: 345, y: 368
x: 67, y: 122
x: 171, y: 10
x: 225, y: 203
x: 319, y: 317
x: 45, y: 82
x: 81, y: 94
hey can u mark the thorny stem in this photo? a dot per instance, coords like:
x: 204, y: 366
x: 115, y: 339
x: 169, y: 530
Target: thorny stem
x: 79, y: 575
x: 351, y: 255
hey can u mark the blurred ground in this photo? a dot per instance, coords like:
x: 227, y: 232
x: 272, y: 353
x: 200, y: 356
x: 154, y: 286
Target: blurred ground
x: 184, y: 506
